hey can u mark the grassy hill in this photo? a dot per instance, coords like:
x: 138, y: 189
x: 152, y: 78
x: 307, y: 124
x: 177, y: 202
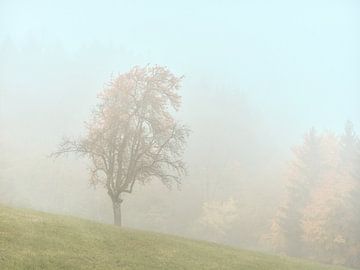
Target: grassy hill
x: 33, y: 240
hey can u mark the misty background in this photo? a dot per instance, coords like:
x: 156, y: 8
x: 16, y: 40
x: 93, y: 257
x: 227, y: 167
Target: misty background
x: 257, y: 76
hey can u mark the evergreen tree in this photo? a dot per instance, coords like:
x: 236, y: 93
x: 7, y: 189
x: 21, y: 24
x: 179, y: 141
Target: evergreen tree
x: 320, y: 217
x: 303, y: 174
x: 320, y: 221
x: 350, y: 169
x: 331, y: 221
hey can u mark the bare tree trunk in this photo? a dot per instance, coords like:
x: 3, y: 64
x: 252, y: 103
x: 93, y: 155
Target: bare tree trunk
x: 117, y: 212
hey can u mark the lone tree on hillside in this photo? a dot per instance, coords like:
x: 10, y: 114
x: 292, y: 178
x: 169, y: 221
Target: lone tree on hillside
x: 132, y: 135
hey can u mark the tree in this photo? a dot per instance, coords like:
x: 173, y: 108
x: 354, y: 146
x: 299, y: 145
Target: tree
x: 132, y: 135
x: 331, y: 220
x: 217, y: 218
x: 321, y: 220
x: 303, y: 174
x: 350, y: 174
x: 321, y: 217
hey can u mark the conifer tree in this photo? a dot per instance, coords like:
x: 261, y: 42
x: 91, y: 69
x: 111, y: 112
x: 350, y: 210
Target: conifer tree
x: 303, y: 174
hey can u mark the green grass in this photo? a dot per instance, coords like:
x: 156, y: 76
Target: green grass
x: 34, y: 240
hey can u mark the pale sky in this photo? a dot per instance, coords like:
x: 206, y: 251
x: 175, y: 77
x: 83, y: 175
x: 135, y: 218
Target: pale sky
x: 297, y: 61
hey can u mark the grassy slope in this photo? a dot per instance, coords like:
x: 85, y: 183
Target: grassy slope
x: 33, y: 240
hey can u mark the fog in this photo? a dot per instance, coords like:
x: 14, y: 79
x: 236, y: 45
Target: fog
x: 257, y: 76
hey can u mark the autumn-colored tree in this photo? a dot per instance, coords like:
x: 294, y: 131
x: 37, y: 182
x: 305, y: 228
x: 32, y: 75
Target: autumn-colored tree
x: 353, y: 256
x: 350, y: 172
x: 217, y: 218
x: 304, y: 172
x: 132, y: 135
x: 331, y: 220
x: 321, y: 216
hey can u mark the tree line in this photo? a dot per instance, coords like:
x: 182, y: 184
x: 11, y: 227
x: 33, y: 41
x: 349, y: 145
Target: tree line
x: 320, y: 216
